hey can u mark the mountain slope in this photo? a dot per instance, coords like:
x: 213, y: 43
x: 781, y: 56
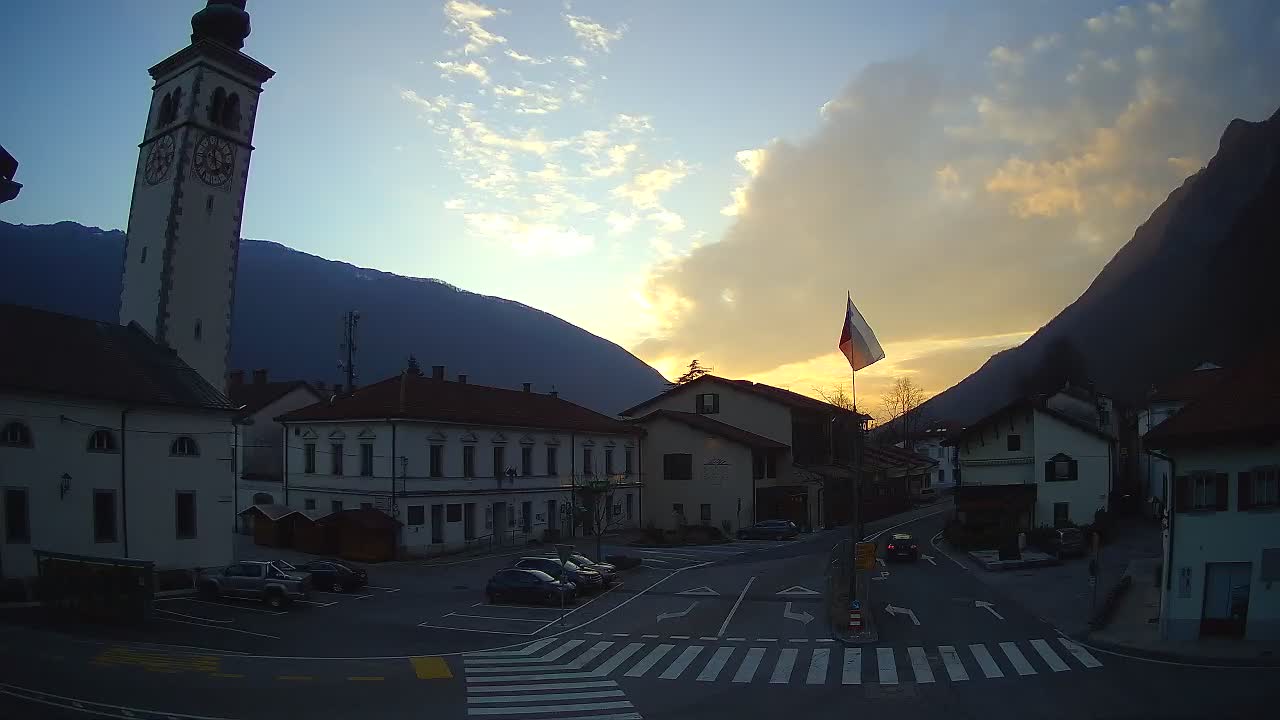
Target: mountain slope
x: 289, y: 307
x: 1189, y: 286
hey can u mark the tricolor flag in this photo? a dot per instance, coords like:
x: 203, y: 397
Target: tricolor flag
x: 857, y: 342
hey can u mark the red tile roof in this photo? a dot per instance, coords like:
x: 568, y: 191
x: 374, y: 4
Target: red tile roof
x: 255, y: 396
x: 428, y: 399
x: 1025, y: 404
x: 51, y: 353
x: 715, y: 427
x: 776, y: 394
x: 1242, y: 406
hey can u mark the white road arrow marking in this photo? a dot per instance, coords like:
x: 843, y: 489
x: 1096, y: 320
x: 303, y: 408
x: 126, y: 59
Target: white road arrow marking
x: 930, y: 559
x: 987, y: 605
x: 802, y: 616
x: 704, y: 590
x: 686, y: 611
x: 902, y: 611
x: 880, y: 561
x: 798, y: 590
x: 884, y: 575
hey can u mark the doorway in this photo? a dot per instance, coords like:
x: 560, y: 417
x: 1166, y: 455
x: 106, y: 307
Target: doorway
x: 437, y: 524
x: 469, y: 521
x: 1226, y: 598
x: 499, y: 522
x: 526, y: 517
x: 551, y: 515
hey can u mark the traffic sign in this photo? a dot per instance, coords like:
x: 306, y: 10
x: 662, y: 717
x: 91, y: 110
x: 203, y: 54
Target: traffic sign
x: 564, y: 551
x: 855, y: 605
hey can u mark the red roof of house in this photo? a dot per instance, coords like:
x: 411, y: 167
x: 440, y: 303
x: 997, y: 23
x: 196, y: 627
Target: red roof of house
x: 418, y: 397
x: 57, y: 354
x: 1241, y: 406
x: 255, y: 396
x: 1189, y: 386
x: 715, y: 427
x: 776, y: 394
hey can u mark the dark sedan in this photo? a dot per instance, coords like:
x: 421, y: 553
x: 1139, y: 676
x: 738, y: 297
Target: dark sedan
x: 770, y: 530
x: 334, y: 576
x: 607, y: 571
x: 587, y: 581
x: 902, y: 546
x: 529, y: 586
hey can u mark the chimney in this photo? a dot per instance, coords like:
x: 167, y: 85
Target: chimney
x: 462, y: 378
x: 260, y: 377
x: 237, y: 377
x: 528, y: 387
x: 437, y: 372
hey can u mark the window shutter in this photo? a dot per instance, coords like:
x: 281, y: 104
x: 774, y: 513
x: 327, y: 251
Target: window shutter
x: 1244, y: 482
x: 1221, y: 483
x: 1182, y: 501
x: 1074, y: 470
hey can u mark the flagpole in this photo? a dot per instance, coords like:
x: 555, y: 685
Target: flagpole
x: 855, y: 519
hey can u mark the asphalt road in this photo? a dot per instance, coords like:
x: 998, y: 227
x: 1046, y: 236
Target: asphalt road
x: 730, y: 631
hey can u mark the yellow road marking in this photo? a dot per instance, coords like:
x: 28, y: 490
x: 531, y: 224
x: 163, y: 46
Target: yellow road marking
x: 226, y: 675
x: 294, y: 677
x: 368, y: 677
x: 431, y: 668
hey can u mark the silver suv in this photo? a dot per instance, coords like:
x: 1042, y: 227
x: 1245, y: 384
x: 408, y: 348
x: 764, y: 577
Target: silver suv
x: 257, y: 580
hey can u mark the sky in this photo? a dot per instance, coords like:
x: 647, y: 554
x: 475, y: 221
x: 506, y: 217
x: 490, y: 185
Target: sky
x: 686, y: 179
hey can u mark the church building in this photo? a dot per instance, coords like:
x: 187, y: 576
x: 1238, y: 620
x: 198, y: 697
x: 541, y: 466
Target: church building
x: 116, y: 440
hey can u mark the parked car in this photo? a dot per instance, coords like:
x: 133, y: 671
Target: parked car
x: 1067, y: 542
x: 770, y: 530
x: 587, y: 581
x: 525, y: 585
x: 334, y: 576
x: 258, y: 580
x: 902, y: 546
x: 608, y: 572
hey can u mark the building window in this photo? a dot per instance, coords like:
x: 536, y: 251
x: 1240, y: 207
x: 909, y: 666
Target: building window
x: 677, y: 509
x: 588, y: 467
x: 102, y: 441
x: 366, y: 459
x: 1202, y: 491
x: 453, y: 513
x: 552, y: 468
x: 309, y: 504
x: 626, y: 461
x: 1061, y: 514
x: 499, y: 461
x: 17, y: 516
x: 417, y: 514
x: 942, y: 476
x: 366, y: 506
x: 1015, y: 443
x: 143, y: 257
x: 309, y: 458
x: 770, y: 465
x: 526, y: 461
x: 705, y: 513
x: 757, y: 465
x: 436, y: 468
x: 185, y: 515
x: 215, y: 106
x: 608, y: 461
x: 16, y: 434
x: 335, y: 457
x: 708, y: 403
x: 468, y: 462
x: 104, y: 516
x: 184, y: 446
x: 677, y: 466
x: 1060, y: 468
x: 630, y: 509
x: 335, y: 506
x: 1259, y: 488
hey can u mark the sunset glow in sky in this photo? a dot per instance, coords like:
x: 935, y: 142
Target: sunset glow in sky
x: 688, y: 179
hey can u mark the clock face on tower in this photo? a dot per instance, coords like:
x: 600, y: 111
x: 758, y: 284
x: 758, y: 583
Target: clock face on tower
x: 158, y: 160
x: 214, y: 158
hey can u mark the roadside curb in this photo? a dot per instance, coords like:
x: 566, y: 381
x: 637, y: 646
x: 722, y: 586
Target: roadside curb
x: 176, y: 593
x: 1173, y: 657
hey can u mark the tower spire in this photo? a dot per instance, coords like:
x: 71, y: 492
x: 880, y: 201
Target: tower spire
x: 222, y: 21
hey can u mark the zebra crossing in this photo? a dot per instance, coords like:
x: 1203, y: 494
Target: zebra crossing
x: 546, y: 670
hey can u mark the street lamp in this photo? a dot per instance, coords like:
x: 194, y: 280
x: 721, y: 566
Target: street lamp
x: 64, y: 486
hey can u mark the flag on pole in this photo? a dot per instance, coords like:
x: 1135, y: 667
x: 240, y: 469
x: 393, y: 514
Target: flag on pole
x: 857, y: 342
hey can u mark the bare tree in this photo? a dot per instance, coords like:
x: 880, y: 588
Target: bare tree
x: 836, y: 395
x: 900, y: 406
x: 695, y: 371
x: 596, y: 510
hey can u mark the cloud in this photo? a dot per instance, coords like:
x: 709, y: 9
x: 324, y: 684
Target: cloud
x: 464, y: 19
x: 956, y: 204
x: 666, y: 221
x: 620, y: 224
x: 592, y: 35
x: 451, y: 69
x: 644, y: 189
x: 529, y: 238
x: 521, y: 57
x: 750, y: 161
x: 1121, y: 18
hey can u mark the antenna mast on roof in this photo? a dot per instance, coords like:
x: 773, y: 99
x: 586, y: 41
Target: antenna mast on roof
x: 348, y: 347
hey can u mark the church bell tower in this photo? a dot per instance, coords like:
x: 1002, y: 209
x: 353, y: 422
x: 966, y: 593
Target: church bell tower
x: 188, y: 192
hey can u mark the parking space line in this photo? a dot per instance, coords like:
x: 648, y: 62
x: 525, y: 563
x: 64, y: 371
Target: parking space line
x: 476, y: 630
x: 582, y: 606
x: 379, y: 587
x: 540, y: 608
x: 193, y: 617
x: 366, y: 678
x: 219, y: 627
x: 226, y: 675
x: 294, y: 677
x: 733, y: 610
x: 317, y: 604
x: 490, y: 617
x: 359, y: 597
x: 231, y: 606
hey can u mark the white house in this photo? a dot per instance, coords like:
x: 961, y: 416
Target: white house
x: 701, y: 471
x: 1222, y: 536
x: 1154, y: 472
x: 457, y: 462
x: 110, y: 446
x: 1029, y: 465
x: 809, y: 482
x: 259, y: 455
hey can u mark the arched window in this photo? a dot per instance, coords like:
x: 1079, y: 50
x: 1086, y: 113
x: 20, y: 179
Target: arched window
x: 176, y: 107
x: 166, y: 109
x: 102, y: 441
x: 184, y: 446
x: 16, y: 434
x: 231, y: 112
x: 215, y: 106
x: 263, y: 499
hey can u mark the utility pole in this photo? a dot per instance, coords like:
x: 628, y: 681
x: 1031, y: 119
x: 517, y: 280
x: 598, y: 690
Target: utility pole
x: 348, y: 346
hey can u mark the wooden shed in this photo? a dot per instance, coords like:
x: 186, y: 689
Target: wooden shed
x: 269, y: 524
x: 363, y: 535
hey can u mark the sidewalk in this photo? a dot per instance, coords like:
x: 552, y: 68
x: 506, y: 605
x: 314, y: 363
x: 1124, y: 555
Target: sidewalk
x: 1135, y: 629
